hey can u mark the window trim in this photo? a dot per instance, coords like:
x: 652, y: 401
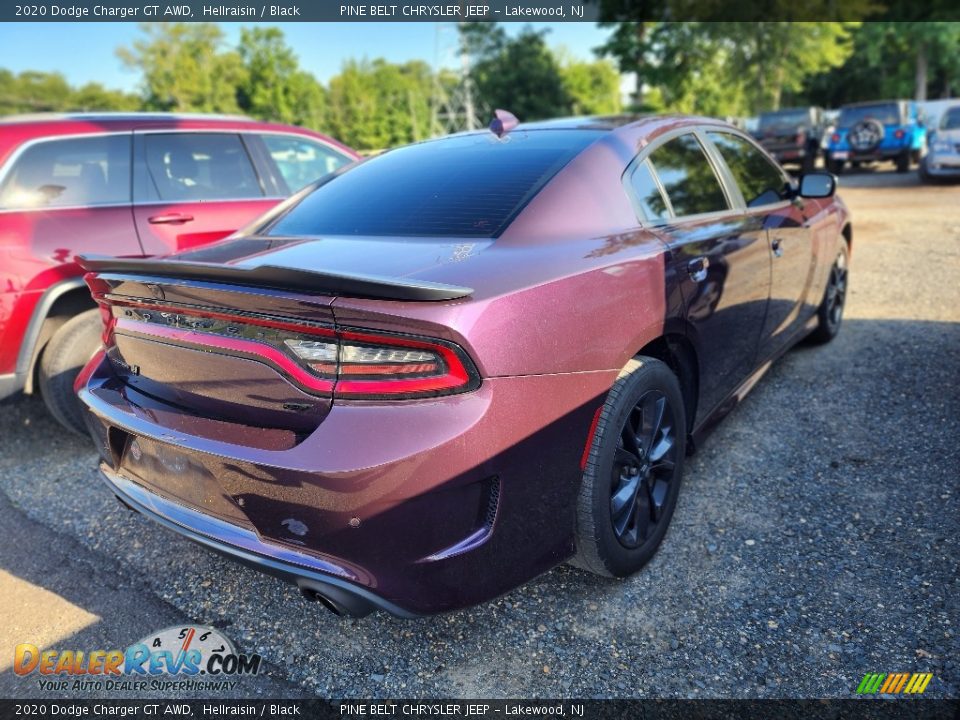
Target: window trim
x: 780, y: 204
x: 734, y: 200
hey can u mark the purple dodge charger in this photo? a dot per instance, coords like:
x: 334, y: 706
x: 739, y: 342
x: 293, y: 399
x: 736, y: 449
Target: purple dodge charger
x: 430, y: 377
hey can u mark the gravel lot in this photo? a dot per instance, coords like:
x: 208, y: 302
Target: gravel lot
x: 816, y: 538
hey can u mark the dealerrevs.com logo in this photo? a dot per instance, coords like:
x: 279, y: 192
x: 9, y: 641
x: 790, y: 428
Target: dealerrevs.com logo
x: 189, y: 657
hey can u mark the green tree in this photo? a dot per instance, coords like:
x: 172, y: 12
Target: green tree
x: 33, y: 91
x: 731, y: 68
x: 272, y: 85
x: 377, y: 104
x: 894, y: 60
x: 593, y: 87
x: 95, y: 97
x: 520, y: 75
x: 778, y: 57
x: 185, y: 67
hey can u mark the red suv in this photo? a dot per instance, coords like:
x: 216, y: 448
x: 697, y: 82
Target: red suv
x: 127, y: 185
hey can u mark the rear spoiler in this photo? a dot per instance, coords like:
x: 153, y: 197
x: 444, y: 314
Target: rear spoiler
x: 281, y: 278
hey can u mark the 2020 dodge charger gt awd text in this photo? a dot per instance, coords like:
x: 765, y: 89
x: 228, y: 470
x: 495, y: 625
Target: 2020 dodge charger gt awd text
x: 436, y: 374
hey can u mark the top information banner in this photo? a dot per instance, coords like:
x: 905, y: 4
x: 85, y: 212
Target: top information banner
x: 487, y: 11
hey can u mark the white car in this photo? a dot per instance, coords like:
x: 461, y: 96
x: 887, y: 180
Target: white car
x: 942, y: 160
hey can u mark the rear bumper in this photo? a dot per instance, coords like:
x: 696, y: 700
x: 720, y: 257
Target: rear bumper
x: 414, y: 507
x: 347, y: 598
x: 878, y: 154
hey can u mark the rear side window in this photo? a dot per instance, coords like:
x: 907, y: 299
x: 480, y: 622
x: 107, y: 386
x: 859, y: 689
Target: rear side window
x: 687, y: 177
x: 199, y: 166
x: 462, y: 186
x: 760, y: 181
x: 302, y: 161
x: 648, y: 194
x: 70, y: 172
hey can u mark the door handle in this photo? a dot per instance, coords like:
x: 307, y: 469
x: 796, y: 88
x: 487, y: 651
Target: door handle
x: 697, y: 268
x: 170, y: 219
x: 776, y: 246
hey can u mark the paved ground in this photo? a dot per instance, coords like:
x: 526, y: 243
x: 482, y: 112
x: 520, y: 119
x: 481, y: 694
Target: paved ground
x: 816, y: 537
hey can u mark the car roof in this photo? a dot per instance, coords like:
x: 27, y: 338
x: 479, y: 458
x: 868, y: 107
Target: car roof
x: 119, y: 117
x: 18, y: 129
x: 621, y: 126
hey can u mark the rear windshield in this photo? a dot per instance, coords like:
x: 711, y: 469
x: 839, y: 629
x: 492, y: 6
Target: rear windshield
x: 463, y: 186
x: 786, y: 118
x: 886, y: 113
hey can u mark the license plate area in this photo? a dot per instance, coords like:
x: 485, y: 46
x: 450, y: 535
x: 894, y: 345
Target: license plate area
x: 181, y: 476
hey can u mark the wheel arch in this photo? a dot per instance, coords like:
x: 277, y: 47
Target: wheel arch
x: 59, y: 303
x: 677, y: 352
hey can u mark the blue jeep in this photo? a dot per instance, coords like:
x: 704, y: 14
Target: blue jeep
x: 879, y: 130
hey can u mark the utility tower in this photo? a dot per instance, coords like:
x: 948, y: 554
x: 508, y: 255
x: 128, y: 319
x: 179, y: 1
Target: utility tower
x: 454, y: 106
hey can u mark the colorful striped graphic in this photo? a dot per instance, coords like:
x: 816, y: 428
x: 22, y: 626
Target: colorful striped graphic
x: 893, y: 683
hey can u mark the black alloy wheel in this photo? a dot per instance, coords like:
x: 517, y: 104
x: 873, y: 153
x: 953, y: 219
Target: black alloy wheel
x: 642, y: 469
x: 830, y: 313
x: 634, y: 467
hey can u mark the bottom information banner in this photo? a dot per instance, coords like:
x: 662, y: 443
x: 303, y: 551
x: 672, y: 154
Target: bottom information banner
x: 874, y: 709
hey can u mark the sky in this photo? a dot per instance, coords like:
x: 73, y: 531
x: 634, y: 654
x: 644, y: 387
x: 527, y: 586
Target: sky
x: 84, y: 52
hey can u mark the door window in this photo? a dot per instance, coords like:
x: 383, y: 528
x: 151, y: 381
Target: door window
x: 687, y: 177
x: 760, y: 181
x: 199, y: 166
x: 70, y: 172
x: 302, y: 161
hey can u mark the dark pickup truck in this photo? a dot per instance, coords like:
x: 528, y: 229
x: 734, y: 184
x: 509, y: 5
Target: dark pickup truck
x: 792, y: 135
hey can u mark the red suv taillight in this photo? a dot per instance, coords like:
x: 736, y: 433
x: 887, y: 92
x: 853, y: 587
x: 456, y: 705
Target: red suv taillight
x: 835, y: 137
x: 899, y: 133
x: 344, y: 362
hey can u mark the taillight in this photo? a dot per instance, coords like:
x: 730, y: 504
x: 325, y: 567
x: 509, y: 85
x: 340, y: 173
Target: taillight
x: 899, y: 134
x: 345, y: 362
x: 374, y: 365
x: 835, y: 137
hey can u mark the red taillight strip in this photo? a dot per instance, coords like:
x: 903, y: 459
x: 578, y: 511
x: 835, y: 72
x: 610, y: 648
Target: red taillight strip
x: 456, y: 375
x: 260, y: 351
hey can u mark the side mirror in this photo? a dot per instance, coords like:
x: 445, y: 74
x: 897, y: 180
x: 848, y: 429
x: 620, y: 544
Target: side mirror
x: 818, y: 185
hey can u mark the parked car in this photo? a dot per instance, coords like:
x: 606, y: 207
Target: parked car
x: 121, y: 184
x: 874, y: 131
x: 792, y: 135
x: 453, y: 366
x: 943, y: 160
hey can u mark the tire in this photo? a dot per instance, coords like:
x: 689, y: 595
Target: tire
x: 616, y: 536
x: 830, y: 312
x: 63, y: 357
x: 903, y: 162
x: 925, y: 176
